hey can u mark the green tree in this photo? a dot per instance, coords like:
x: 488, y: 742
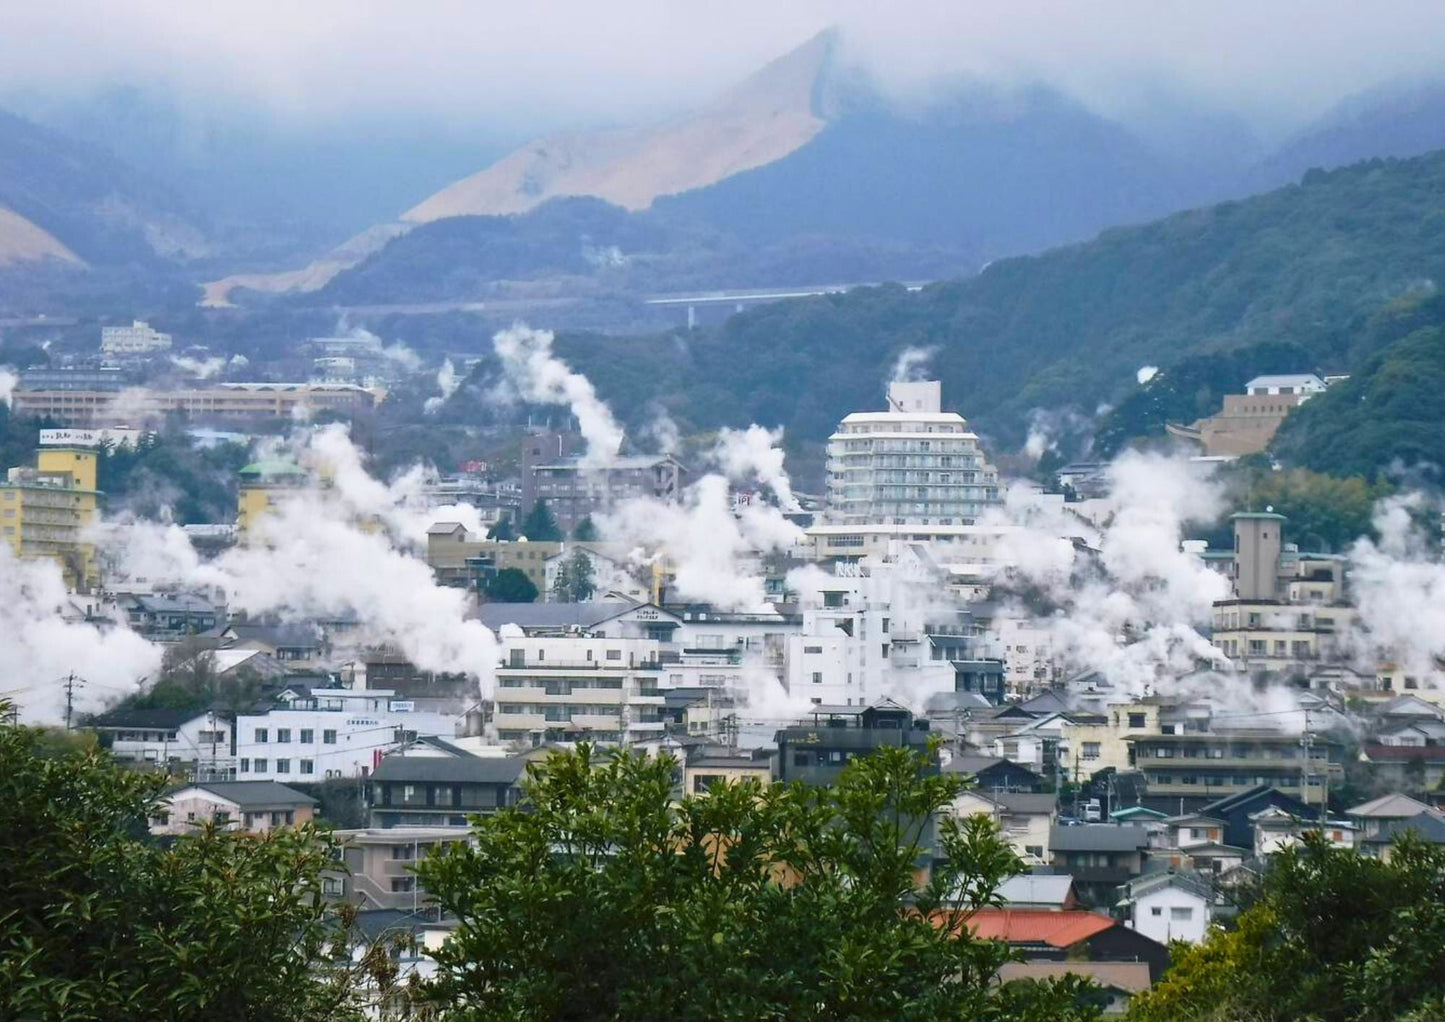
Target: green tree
x: 511, y: 585
x: 1333, y: 935
x: 586, y: 531
x: 97, y: 921
x: 503, y: 531
x: 539, y: 526
x: 575, y: 582
x: 603, y: 896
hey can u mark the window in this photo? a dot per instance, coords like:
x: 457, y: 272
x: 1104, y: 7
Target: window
x: 817, y: 677
x: 1181, y: 913
x: 614, y: 654
x: 283, y: 735
x: 307, y: 736
x: 1091, y: 750
x: 260, y: 736
x: 812, y: 649
x: 1136, y: 720
x: 283, y: 766
x: 401, y: 885
x: 245, y: 766
x: 802, y: 759
x: 260, y: 765
x: 328, y: 737
x: 331, y: 887
x: 408, y: 792
x: 1156, y: 911
x: 308, y: 766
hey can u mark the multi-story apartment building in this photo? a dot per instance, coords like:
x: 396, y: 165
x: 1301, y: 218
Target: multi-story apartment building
x: 221, y: 402
x: 573, y: 490
x: 817, y: 750
x: 136, y: 339
x: 262, y: 484
x: 876, y: 627
x: 435, y: 784
x: 574, y: 688
x: 335, y: 732
x: 466, y: 560
x: 171, y: 740
x: 381, y: 864
x: 47, y: 511
x: 1222, y: 762
x: 911, y: 465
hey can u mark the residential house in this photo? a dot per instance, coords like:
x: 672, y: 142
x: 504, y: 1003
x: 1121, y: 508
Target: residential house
x: 1276, y: 829
x: 993, y: 773
x: 440, y: 790
x: 199, y: 743
x: 1045, y: 892
x: 1071, y: 937
x: 1373, y: 816
x: 170, y: 615
x: 1169, y: 905
x: 380, y: 865
x: 1024, y: 818
x: 1099, y: 856
x: 252, y: 806
x: 706, y: 765
x: 816, y: 751
x: 1236, y: 813
x: 469, y: 561
x: 1119, y: 982
x: 1428, y: 826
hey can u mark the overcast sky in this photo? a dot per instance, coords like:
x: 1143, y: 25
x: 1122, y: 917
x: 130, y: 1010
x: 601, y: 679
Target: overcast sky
x: 1275, y: 61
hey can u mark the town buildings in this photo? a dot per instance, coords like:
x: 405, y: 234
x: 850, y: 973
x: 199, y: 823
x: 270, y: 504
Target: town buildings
x: 197, y: 743
x: 1248, y: 422
x: 137, y: 339
x: 317, y: 734
x: 571, y: 689
x: 913, y: 464
x: 47, y: 511
x: 574, y: 490
x: 218, y: 402
x: 463, y: 559
x: 252, y: 806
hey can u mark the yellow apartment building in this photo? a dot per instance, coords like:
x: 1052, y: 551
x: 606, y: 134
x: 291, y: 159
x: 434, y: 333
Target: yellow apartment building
x: 262, y: 484
x: 48, y: 511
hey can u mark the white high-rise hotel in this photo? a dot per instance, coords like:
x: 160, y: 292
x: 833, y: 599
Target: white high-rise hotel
x: 911, y: 465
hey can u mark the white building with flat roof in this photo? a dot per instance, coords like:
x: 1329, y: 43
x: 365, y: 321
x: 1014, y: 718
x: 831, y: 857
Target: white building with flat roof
x: 913, y: 464
x: 136, y: 339
x: 319, y: 734
x: 573, y: 687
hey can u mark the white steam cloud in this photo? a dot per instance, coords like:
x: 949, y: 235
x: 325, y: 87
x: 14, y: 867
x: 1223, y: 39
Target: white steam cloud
x: 448, y: 380
x: 1145, y: 374
x: 9, y: 380
x: 201, y: 368
x: 753, y: 452
x: 541, y: 377
x: 1399, y: 592
x: 911, y: 365
x: 44, y: 638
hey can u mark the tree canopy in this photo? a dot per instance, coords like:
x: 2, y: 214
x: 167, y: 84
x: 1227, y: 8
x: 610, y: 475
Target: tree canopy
x: 575, y: 581
x: 1334, y: 935
x: 98, y: 921
x: 603, y: 896
x: 511, y: 585
x: 540, y: 526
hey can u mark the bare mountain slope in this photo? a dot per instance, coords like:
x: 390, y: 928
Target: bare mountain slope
x: 23, y: 242
x: 768, y: 116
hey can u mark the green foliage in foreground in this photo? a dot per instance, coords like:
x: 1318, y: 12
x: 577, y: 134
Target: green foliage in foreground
x: 97, y: 921
x: 1334, y: 936
x: 602, y: 898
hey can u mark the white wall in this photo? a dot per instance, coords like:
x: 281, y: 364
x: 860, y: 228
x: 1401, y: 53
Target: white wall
x: 1156, y: 915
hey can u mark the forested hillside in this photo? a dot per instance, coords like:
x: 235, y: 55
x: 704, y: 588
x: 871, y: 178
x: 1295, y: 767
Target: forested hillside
x: 1302, y: 268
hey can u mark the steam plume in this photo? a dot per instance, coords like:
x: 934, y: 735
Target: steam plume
x: 742, y: 453
x: 910, y: 365
x: 540, y: 377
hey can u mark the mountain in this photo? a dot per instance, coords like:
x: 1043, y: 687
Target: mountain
x: 806, y: 154
x: 766, y: 117
x: 74, y: 203
x: 1398, y: 119
x: 1303, y: 267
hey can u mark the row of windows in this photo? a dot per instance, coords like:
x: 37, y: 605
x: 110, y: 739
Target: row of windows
x: 304, y: 736
x: 1228, y: 780
x: 261, y: 765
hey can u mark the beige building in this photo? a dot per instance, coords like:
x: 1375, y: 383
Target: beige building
x: 572, y: 688
x: 710, y: 766
x: 223, y: 401
x: 1248, y: 422
x: 47, y: 511
x: 381, y: 864
x: 1096, y: 742
x: 461, y: 558
x: 252, y: 806
x: 1023, y: 817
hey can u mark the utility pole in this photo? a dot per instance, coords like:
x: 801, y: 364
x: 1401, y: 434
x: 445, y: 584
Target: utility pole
x: 71, y: 682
